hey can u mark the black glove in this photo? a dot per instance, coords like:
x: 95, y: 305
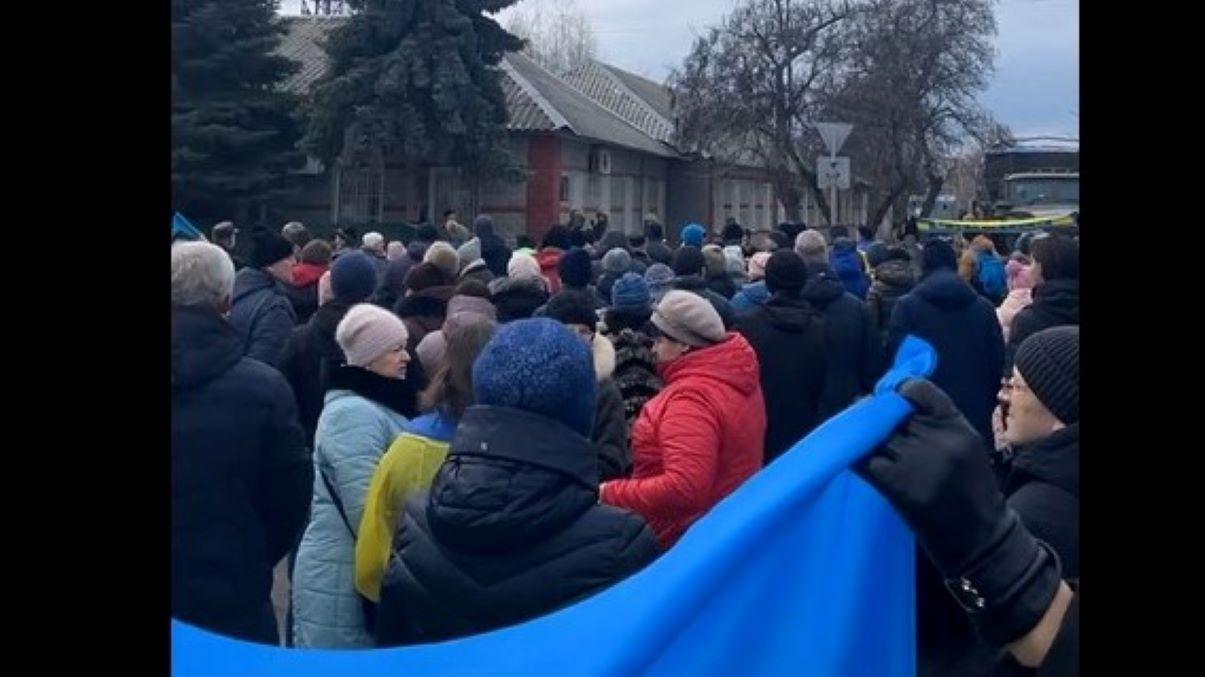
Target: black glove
x: 935, y: 471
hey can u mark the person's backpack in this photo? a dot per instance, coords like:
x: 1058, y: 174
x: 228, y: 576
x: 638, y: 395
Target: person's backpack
x: 992, y: 276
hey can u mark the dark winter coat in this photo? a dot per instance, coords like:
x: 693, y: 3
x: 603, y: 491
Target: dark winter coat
x: 1055, y: 303
x: 303, y: 293
x: 892, y: 280
x: 722, y: 284
x: 847, y: 262
x: 493, y: 250
x: 380, y: 264
x: 516, y: 298
x: 262, y: 314
x: 788, y: 335
x: 307, y: 348
x: 854, y: 354
x: 696, y: 284
x: 510, y: 530
x: 962, y: 327
x: 610, y: 433
x: 241, y: 479
x: 659, y: 252
x: 1042, y: 485
x: 635, y: 370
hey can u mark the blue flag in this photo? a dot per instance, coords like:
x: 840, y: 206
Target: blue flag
x: 803, y: 570
x: 182, y: 227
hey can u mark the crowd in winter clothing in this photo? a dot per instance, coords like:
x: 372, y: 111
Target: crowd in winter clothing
x: 450, y: 435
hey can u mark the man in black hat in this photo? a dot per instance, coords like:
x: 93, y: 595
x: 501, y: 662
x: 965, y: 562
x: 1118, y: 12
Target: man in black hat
x: 788, y: 335
x: 261, y: 312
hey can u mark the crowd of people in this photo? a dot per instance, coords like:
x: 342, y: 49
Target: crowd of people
x: 450, y: 435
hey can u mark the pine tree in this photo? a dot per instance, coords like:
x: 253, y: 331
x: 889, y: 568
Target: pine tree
x: 234, y: 131
x: 416, y: 81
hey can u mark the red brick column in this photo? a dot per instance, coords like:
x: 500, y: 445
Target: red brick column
x: 543, y: 184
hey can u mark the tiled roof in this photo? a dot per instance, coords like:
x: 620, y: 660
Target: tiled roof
x: 582, y: 115
x: 604, y: 86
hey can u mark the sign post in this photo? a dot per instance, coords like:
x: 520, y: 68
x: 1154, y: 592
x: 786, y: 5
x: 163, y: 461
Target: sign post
x: 834, y: 135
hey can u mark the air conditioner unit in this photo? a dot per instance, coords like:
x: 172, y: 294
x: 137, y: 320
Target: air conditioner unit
x: 600, y: 161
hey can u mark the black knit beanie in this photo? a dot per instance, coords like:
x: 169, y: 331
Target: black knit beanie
x: 1049, y: 363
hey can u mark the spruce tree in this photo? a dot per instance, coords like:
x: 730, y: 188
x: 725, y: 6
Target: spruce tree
x: 415, y: 81
x: 234, y: 131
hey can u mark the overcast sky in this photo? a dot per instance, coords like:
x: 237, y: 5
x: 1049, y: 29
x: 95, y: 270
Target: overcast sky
x: 1035, y: 90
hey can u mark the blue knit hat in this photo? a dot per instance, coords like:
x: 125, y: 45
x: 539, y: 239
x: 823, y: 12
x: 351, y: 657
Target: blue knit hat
x: 574, y: 268
x: 538, y: 365
x: 630, y: 293
x: 353, y: 277
x: 693, y: 234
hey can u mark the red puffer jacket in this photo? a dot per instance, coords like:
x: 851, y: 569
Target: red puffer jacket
x: 697, y: 441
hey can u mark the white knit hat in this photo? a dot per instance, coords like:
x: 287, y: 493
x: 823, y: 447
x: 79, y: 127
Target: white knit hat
x: 367, y: 332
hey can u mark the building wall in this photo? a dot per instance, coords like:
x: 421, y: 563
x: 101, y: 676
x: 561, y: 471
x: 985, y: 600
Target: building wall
x: 634, y: 187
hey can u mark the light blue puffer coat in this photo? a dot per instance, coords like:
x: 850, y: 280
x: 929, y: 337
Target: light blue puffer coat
x: 353, y: 433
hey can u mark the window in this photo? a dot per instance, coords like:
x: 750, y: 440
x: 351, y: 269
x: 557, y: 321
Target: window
x: 564, y: 188
x: 360, y: 195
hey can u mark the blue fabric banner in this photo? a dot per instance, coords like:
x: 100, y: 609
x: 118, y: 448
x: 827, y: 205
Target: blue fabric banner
x: 804, y: 570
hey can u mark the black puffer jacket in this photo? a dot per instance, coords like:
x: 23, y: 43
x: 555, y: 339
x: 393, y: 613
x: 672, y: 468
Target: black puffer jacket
x: 855, y: 356
x: 510, y: 530
x: 1043, y: 487
x: 788, y: 335
x: 892, y: 280
x: 1055, y: 303
x: 241, y: 478
x: 517, y: 298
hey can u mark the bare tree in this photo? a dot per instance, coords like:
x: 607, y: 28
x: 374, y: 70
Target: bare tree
x: 559, y: 35
x: 915, y: 69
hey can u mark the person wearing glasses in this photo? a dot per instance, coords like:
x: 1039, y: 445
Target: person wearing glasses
x: 1040, y: 406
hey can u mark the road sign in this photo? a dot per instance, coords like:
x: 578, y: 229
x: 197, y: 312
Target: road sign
x: 834, y: 134
x: 832, y: 172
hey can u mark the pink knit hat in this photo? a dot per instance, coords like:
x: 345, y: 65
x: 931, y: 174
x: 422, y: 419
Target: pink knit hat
x: 367, y: 332
x: 757, y: 266
x: 325, y: 293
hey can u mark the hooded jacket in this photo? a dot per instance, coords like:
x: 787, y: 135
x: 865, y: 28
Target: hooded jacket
x: 262, y: 314
x: 241, y: 478
x: 788, y: 335
x: 847, y: 262
x: 962, y: 327
x: 511, y: 529
x: 696, y: 441
x: 750, y: 298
